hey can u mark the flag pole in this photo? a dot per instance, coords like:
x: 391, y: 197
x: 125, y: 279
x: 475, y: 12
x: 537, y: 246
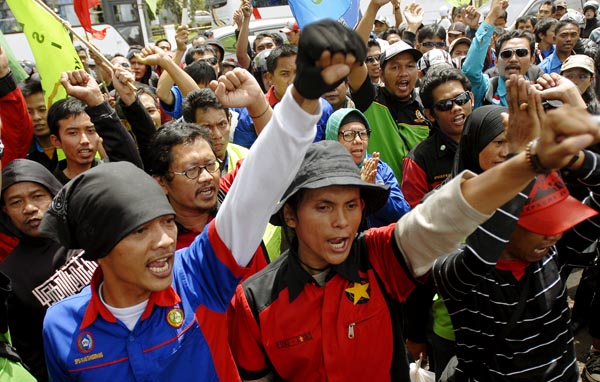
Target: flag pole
x: 89, y: 45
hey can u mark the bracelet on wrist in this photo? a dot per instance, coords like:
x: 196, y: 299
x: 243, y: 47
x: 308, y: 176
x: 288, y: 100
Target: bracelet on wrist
x: 534, y: 160
x: 573, y: 160
x: 261, y: 114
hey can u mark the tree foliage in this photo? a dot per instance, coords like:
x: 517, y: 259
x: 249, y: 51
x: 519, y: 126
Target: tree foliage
x: 175, y: 6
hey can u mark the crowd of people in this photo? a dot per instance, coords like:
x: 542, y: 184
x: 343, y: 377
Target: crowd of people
x: 328, y: 206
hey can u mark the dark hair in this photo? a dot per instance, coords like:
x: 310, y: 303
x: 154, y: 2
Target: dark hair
x: 201, y: 72
x: 562, y: 23
x: 79, y: 48
x: 287, y: 50
x: 436, y: 76
x: 456, y: 11
x: 525, y: 19
x: 542, y: 27
x: 163, y: 40
x: 200, y: 99
x: 509, y: 35
x: 147, y: 89
x: 503, y: 16
x: 384, y: 35
x: 200, y: 49
x: 63, y: 109
x: 261, y: 36
x: 431, y: 31
x: 372, y: 42
x: 549, y: 3
x: 31, y: 87
x: 172, y: 134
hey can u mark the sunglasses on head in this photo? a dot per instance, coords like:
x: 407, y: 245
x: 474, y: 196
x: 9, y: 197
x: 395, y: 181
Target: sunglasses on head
x: 447, y: 104
x: 508, y: 53
x: 431, y: 44
x: 374, y: 58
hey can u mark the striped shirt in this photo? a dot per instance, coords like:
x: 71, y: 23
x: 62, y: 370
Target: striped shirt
x: 482, y: 298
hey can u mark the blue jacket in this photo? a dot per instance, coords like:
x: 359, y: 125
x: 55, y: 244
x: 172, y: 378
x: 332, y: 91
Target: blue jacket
x: 245, y: 135
x: 396, y: 205
x: 167, y: 343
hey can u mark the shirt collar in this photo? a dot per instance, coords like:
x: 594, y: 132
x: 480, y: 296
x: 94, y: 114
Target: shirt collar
x: 297, y: 277
x: 167, y: 297
x: 271, y: 97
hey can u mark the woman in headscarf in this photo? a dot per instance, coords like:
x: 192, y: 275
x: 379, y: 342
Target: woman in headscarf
x: 351, y: 128
x: 483, y: 145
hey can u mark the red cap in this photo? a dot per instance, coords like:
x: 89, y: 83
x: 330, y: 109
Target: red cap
x: 290, y: 28
x: 550, y: 209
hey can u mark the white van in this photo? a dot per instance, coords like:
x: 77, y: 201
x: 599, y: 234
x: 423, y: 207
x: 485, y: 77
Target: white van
x: 111, y: 44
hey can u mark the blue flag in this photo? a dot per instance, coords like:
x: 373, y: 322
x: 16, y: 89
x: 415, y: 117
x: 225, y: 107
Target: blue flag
x: 309, y: 11
x: 352, y: 15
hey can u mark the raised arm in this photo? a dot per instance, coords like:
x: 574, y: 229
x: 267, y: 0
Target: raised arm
x: 365, y: 25
x: 118, y: 143
x: 241, y: 48
x: 326, y: 54
x: 476, y: 197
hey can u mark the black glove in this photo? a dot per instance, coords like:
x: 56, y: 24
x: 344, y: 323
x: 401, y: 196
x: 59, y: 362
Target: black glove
x: 314, y: 40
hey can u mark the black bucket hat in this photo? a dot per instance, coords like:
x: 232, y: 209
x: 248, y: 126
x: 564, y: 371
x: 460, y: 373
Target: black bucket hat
x: 328, y: 163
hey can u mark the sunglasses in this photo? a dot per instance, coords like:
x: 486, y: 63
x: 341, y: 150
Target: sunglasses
x: 374, y: 58
x: 431, y: 44
x: 210, y: 60
x: 508, y: 53
x: 447, y: 104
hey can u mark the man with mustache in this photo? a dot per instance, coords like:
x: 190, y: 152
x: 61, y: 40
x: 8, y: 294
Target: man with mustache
x: 515, y: 56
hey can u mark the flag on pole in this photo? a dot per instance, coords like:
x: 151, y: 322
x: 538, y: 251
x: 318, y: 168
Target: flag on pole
x: 309, y: 11
x: 51, y: 45
x: 82, y: 10
x: 15, y: 67
x: 152, y: 5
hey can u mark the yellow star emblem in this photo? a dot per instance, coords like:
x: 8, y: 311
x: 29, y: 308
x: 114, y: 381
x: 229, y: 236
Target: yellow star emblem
x: 359, y: 291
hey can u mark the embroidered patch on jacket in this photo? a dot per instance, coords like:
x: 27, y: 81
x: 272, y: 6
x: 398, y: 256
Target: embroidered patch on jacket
x: 419, y: 117
x: 294, y: 341
x: 358, y: 292
x: 85, y: 342
x: 175, y: 317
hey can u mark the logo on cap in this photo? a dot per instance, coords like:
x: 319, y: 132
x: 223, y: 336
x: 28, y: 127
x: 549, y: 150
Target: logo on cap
x: 175, y: 317
x: 548, y: 190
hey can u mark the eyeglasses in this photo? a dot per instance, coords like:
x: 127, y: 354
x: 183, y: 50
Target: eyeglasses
x: 582, y: 77
x: 195, y: 171
x: 431, y: 44
x: 374, y: 58
x: 447, y: 104
x: 209, y: 60
x: 508, y: 53
x: 350, y: 135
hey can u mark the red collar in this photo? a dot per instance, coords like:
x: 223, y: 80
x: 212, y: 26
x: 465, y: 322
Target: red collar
x: 167, y: 297
x: 271, y: 97
x: 517, y: 267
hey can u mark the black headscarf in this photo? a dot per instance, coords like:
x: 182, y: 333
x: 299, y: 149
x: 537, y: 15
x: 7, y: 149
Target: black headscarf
x: 101, y: 206
x: 482, y: 126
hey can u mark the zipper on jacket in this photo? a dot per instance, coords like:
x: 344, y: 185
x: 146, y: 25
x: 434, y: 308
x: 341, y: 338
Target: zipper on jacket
x: 351, y: 330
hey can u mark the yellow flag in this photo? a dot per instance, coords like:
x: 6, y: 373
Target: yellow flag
x: 51, y: 46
